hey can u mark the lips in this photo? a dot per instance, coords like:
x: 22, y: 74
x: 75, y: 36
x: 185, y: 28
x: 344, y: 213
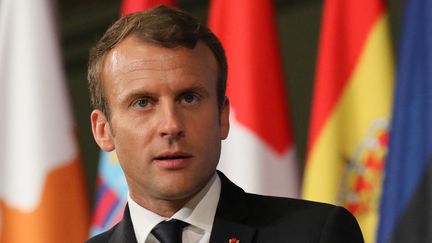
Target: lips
x: 172, y: 159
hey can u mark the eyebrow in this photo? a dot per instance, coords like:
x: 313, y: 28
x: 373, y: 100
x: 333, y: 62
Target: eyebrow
x: 126, y: 99
x: 194, y: 88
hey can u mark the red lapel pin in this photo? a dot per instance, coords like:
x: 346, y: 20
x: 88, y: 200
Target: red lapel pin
x: 233, y: 240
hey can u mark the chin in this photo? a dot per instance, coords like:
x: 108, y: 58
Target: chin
x: 182, y: 184
x: 172, y: 195
x: 176, y: 190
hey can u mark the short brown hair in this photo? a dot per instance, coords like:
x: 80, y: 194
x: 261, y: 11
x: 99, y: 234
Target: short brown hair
x: 165, y: 26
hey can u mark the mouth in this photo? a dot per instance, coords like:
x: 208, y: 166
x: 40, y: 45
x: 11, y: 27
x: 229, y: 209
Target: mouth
x: 172, y: 160
x: 171, y: 157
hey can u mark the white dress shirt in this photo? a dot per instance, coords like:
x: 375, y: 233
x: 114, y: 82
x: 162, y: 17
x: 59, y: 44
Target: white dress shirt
x: 199, y: 212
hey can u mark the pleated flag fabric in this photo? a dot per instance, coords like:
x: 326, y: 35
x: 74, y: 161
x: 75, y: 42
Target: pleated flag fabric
x: 406, y: 206
x: 351, y: 107
x: 259, y: 152
x: 42, y: 191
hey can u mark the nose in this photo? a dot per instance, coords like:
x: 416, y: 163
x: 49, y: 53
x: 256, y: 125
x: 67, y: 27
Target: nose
x: 170, y: 123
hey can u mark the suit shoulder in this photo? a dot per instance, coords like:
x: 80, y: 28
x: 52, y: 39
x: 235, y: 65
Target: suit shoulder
x: 294, y: 208
x: 320, y: 221
x: 291, y: 203
x: 102, y: 237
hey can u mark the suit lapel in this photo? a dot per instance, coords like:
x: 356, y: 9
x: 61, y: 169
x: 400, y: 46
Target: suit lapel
x: 124, y: 231
x: 231, y: 213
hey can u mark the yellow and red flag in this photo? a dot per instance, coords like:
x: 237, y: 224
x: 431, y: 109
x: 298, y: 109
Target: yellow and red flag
x: 351, y: 108
x: 259, y: 152
x: 42, y: 191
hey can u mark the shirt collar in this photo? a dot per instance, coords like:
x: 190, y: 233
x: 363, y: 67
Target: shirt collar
x: 143, y: 220
x: 199, y: 212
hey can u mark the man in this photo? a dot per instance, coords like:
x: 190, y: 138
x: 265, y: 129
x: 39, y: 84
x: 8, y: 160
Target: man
x: 157, y: 80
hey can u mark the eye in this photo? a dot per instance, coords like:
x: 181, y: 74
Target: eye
x: 190, y: 98
x: 141, y: 103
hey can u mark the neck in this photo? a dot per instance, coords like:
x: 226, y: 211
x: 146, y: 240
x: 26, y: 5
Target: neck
x: 166, y: 206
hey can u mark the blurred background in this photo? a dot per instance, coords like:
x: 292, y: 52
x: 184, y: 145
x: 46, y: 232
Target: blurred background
x: 359, y: 100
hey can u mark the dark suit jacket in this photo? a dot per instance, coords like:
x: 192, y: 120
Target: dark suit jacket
x: 255, y: 218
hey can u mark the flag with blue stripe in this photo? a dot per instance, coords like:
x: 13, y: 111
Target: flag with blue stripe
x: 406, y: 208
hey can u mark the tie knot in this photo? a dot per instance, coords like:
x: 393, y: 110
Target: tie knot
x: 169, y: 231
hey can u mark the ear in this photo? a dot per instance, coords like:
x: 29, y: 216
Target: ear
x: 101, y: 130
x: 224, y: 119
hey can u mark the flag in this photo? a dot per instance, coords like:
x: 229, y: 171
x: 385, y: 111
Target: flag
x: 351, y: 108
x: 259, y: 152
x: 131, y: 6
x: 406, y: 211
x: 112, y: 190
x: 111, y: 195
x: 42, y: 191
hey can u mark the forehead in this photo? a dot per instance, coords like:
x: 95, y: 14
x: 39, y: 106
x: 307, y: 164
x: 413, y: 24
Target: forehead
x: 133, y: 56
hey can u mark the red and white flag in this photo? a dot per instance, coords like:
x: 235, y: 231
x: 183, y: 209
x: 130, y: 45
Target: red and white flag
x: 259, y: 153
x: 42, y: 192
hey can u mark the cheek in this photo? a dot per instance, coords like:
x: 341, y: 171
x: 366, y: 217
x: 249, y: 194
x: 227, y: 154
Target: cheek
x: 133, y: 152
x: 132, y: 138
x: 205, y: 125
x: 208, y: 132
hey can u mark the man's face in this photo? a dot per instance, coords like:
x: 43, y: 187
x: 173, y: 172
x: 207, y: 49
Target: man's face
x: 165, y: 123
